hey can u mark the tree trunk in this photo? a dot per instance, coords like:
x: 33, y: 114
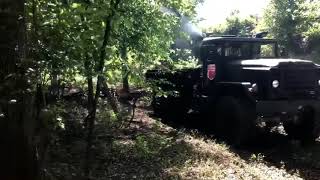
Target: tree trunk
x: 17, y: 122
x: 111, y: 99
x: 125, y: 82
x: 88, y: 73
x: 100, y: 69
x: 125, y: 69
x: 88, y: 69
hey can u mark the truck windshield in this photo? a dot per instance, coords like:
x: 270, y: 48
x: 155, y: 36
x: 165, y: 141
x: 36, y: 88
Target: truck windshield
x: 264, y: 50
x: 244, y: 50
x: 250, y: 50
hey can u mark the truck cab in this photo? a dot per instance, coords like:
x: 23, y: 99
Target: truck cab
x: 241, y: 81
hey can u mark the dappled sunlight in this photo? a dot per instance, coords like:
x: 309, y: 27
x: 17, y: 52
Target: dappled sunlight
x: 215, y: 161
x: 132, y: 89
x: 149, y: 149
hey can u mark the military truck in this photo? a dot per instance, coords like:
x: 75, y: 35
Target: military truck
x: 243, y: 80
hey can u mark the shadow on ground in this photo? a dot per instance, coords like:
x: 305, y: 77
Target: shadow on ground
x: 282, y: 152
x: 148, y: 149
x: 274, y: 148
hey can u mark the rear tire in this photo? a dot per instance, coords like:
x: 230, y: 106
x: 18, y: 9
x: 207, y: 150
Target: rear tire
x: 235, y: 120
x: 169, y: 108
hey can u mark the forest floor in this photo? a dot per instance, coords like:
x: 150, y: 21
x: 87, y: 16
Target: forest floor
x: 149, y: 149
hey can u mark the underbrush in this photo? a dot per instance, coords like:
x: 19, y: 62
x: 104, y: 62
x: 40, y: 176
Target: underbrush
x: 147, y: 149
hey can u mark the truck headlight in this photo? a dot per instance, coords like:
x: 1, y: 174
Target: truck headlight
x: 275, y: 84
x: 319, y: 82
x: 254, y: 88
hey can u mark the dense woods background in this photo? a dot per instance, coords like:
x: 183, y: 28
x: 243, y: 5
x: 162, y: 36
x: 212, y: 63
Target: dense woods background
x: 67, y: 67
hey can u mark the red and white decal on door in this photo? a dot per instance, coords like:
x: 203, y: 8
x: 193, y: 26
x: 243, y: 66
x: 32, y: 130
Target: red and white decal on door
x: 211, y: 71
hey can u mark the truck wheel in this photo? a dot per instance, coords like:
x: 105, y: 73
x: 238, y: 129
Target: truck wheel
x: 169, y: 108
x: 305, y: 129
x: 159, y: 105
x: 235, y: 119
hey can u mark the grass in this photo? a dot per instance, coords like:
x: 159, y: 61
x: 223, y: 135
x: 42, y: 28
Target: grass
x: 149, y: 149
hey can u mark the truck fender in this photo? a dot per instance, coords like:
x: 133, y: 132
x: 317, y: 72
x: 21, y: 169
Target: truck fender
x: 235, y: 89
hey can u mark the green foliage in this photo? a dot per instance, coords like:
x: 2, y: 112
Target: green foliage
x: 235, y: 25
x: 257, y: 158
x: 143, y: 38
x: 312, y: 26
x: 147, y: 147
x: 295, y: 25
x: 52, y: 117
x: 285, y: 21
x: 69, y: 34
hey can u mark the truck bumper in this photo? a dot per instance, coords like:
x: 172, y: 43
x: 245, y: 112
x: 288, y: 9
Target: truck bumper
x: 276, y: 108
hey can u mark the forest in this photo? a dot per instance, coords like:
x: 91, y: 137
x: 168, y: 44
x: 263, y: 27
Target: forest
x: 75, y: 103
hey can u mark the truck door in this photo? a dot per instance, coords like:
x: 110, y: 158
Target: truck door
x: 211, y: 56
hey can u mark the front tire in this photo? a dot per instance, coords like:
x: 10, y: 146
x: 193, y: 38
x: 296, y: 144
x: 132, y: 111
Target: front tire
x: 304, y: 130
x: 235, y: 119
